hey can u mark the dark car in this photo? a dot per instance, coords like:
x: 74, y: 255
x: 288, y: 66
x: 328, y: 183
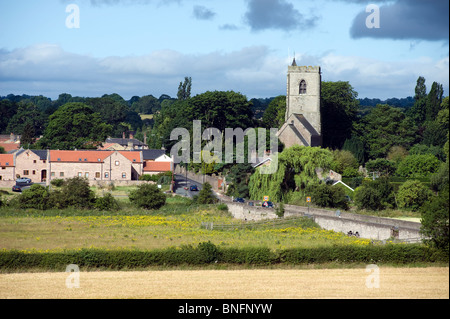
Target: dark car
x: 267, y: 204
x: 16, y: 188
x: 193, y: 188
x: 239, y: 200
x: 23, y: 180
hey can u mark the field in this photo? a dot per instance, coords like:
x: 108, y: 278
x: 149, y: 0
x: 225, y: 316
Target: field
x: 179, y: 223
x: 405, y: 283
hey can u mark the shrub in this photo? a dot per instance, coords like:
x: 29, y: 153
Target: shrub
x: 57, y: 182
x: 206, y: 196
x: 148, y: 196
x: 416, y: 166
x: 75, y: 192
x: 381, y: 165
x: 368, y: 198
x: 222, y: 206
x: 328, y: 196
x: 412, y: 194
x: 107, y: 202
x: 37, y: 197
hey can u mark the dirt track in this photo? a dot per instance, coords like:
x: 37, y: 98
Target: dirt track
x: 417, y: 283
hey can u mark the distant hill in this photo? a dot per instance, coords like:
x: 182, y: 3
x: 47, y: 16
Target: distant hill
x: 403, y: 102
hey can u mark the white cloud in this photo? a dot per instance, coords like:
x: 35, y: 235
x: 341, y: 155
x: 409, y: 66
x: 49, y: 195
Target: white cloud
x: 254, y: 71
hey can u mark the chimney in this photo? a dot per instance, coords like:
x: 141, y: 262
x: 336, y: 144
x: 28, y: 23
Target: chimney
x: 123, y: 135
x: 131, y: 135
x: 145, y: 138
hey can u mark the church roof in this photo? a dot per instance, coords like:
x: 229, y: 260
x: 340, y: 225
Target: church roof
x: 294, y: 63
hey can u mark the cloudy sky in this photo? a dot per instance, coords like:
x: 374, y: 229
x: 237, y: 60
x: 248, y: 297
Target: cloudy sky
x: 141, y: 47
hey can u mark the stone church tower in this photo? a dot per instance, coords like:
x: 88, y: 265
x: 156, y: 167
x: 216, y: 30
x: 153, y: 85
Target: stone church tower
x: 302, y: 121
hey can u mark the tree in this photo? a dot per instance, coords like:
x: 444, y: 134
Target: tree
x: 324, y: 195
x: 418, y: 110
x: 435, y: 220
x: 345, y: 163
x: 75, y: 192
x: 74, y: 126
x: 434, y: 101
x: 184, y: 89
x: 28, y: 135
x: 384, y: 127
x: 206, y: 196
x: 339, y: 108
x: 296, y: 169
x: 418, y: 166
x: 37, y: 197
x: 148, y: 196
x: 274, y: 115
x: 7, y: 110
x: 27, y: 113
x: 147, y: 104
x: 383, y: 166
x: 366, y: 197
x: 355, y: 145
x: 412, y: 195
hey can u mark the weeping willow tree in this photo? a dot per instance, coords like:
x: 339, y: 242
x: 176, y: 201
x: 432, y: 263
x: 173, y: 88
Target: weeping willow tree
x: 296, y: 170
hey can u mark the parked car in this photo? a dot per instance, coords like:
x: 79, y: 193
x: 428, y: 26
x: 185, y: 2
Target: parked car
x: 239, y: 200
x: 193, y: 188
x: 16, y: 188
x: 24, y: 180
x: 267, y: 204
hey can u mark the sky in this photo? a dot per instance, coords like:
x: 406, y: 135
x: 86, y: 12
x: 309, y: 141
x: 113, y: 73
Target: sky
x: 90, y: 48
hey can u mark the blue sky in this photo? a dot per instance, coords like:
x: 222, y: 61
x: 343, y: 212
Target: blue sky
x: 146, y: 47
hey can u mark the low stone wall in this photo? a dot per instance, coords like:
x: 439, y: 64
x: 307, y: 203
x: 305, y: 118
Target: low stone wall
x: 251, y: 213
x: 119, y: 183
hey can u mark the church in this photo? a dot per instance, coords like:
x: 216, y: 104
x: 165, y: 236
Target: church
x: 302, y: 120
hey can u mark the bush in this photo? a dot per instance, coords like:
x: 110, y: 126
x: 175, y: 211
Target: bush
x: 206, y: 196
x: 328, y: 196
x: 75, y: 192
x: 381, y: 165
x: 148, y: 196
x: 413, y: 194
x: 107, y: 202
x: 417, y: 166
x: 57, y: 182
x: 37, y: 197
x: 368, y: 198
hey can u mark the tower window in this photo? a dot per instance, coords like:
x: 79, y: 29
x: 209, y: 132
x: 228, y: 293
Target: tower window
x: 302, y: 87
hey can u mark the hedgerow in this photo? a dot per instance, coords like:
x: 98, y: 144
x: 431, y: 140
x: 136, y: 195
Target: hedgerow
x: 207, y: 253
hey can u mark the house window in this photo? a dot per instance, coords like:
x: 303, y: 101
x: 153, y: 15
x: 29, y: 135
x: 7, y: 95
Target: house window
x: 34, y: 161
x: 53, y: 174
x: 124, y: 175
x: 117, y: 163
x: 97, y: 174
x: 80, y: 174
x: 61, y: 174
x: 26, y: 172
x: 1, y: 177
x: 106, y: 175
x: 303, y: 87
x: 34, y: 172
x: 86, y: 175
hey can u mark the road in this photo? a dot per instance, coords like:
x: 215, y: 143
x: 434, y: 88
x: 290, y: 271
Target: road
x: 180, y: 184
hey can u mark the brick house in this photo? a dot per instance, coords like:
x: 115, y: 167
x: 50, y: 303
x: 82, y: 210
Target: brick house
x: 7, y: 167
x: 95, y: 165
x: 156, y: 161
x: 32, y: 164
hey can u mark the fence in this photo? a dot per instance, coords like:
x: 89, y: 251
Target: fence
x: 257, y: 224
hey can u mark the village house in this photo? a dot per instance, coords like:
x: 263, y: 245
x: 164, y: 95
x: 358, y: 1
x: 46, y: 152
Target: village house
x: 43, y: 166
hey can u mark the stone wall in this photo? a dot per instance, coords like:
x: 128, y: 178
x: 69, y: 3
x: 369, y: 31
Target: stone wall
x: 213, y: 180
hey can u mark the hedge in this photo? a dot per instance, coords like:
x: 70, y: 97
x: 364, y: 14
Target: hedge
x: 207, y: 253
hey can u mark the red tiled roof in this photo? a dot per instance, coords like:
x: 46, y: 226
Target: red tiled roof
x: 132, y: 156
x: 79, y: 156
x: 7, y: 160
x: 10, y: 146
x: 157, y: 166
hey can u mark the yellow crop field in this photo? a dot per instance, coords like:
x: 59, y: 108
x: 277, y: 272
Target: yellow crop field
x: 406, y: 283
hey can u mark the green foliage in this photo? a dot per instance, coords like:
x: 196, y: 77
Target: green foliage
x: 345, y: 163
x: 383, y: 166
x: 384, y: 127
x: 412, y: 194
x: 324, y: 195
x: 206, y: 196
x: 207, y: 253
x: 275, y: 113
x: 148, y: 196
x: 296, y: 169
x: 368, y: 198
x: 58, y: 182
x: 417, y: 166
x: 76, y: 192
x: 355, y: 145
x: 435, y: 220
x: 339, y: 108
x: 74, y: 125
x: 37, y: 196
x: 107, y: 203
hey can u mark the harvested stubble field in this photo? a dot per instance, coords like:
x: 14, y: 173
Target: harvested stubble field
x: 404, y: 283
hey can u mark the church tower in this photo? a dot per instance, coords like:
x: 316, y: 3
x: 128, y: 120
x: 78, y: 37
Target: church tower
x: 302, y: 120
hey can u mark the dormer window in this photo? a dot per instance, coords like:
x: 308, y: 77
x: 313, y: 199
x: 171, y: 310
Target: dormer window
x: 302, y: 87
